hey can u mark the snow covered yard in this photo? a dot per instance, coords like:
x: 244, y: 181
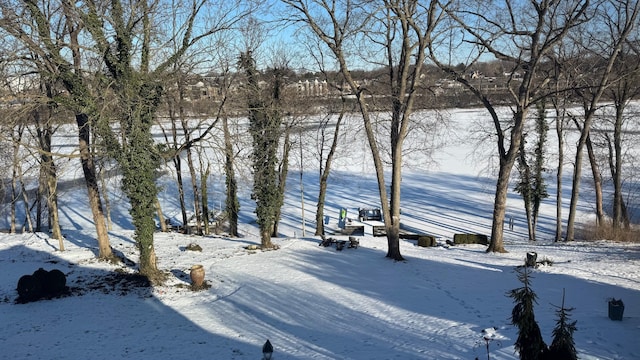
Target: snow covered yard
x: 314, y: 302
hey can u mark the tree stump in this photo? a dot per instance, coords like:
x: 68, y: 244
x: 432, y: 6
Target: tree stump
x: 616, y: 309
x: 531, y: 260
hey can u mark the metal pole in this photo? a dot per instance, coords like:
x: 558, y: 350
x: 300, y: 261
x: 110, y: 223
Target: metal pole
x: 302, y: 184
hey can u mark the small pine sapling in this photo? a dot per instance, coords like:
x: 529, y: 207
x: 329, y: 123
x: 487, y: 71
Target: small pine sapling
x: 529, y: 343
x: 563, y: 347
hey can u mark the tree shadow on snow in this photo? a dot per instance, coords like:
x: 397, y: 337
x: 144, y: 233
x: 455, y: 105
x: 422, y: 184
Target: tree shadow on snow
x: 104, y: 315
x: 411, y: 306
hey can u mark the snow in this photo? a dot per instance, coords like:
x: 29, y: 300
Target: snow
x: 313, y: 302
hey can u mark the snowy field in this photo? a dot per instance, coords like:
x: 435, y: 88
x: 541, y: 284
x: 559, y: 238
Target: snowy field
x: 313, y: 302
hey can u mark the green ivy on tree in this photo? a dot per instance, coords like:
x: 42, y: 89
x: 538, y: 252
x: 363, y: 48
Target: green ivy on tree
x: 531, y: 185
x: 264, y: 126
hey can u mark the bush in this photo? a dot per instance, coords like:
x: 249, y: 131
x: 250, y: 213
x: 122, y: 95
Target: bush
x: 593, y: 231
x: 29, y: 288
x: 40, y: 284
x: 426, y: 241
x: 55, y: 284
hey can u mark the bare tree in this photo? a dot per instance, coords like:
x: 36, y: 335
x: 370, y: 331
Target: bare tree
x: 328, y: 131
x: 626, y: 89
x: 521, y: 34
x: 559, y: 101
x: 283, y: 167
x: 33, y: 121
x: 620, y: 18
x: 49, y: 39
x: 45, y: 129
x: 330, y: 122
x: 182, y: 129
x: 400, y: 30
x: 190, y: 126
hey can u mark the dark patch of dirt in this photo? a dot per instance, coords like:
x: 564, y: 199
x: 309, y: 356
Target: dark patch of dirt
x: 116, y: 283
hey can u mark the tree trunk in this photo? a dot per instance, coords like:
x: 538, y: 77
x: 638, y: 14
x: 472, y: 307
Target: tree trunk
x: 196, y: 190
x: 104, y: 189
x: 71, y: 77
x: 529, y: 216
x: 322, y: 194
x: 265, y: 238
x: 625, y: 215
x: 49, y: 179
x: 615, y: 164
x: 52, y: 200
x: 573, y: 205
x: 282, y: 178
x: 560, y: 136
x: 393, y: 250
x: 89, y: 171
x: 597, y: 182
x: 161, y: 219
x: 105, y: 196
x: 499, y: 208
x: 577, y: 166
x: 14, y: 198
x: 28, y: 221
x: 16, y: 170
x: 205, y: 196
x: 40, y: 195
x: 138, y: 183
x: 393, y: 225
x: 232, y: 206
x: 177, y: 163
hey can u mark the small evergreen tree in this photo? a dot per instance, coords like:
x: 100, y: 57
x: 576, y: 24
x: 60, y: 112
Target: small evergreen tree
x: 563, y: 347
x: 529, y: 344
